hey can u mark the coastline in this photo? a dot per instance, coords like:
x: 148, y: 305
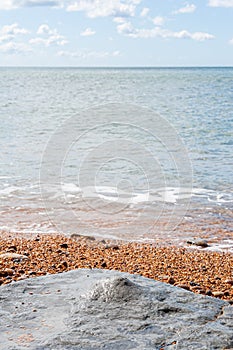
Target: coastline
x: 200, y: 271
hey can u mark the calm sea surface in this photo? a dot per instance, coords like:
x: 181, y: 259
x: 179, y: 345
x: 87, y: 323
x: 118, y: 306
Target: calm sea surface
x: 118, y: 152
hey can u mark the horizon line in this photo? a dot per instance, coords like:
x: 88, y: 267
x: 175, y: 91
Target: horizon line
x: 118, y: 67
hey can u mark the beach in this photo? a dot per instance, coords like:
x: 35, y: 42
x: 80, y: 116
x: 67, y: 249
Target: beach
x: 204, y: 272
x: 144, y: 182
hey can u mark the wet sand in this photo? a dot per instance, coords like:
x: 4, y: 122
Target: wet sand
x: 200, y: 271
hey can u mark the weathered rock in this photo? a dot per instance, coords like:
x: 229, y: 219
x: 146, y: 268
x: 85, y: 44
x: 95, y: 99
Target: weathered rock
x: 101, y: 309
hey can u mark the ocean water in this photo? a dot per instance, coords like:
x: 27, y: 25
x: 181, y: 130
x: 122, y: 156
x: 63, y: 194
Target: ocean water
x: 135, y: 154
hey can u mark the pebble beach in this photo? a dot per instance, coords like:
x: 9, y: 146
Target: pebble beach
x: 204, y: 272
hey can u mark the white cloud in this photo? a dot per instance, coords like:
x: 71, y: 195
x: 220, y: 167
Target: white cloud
x: 105, y: 8
x: 128, y: 30
x: 201, y: 36
x: 88, y: 54
x: 48, y: 37
x: 7, y: 5
x: 52, y: 40
x: 13, y: 48
x: 159, y: 21
x: 87, y: 32
x: 119, y: 20
x: 220, y: 3
x: 189, y: 8
x: 10, y: 32
x: 45, y: 29
x: 144, y: 12
x: 231, y: 41
x: 14, y: 29
x: 9, y: 39
x: 14, y: 4
x: 34, y: 3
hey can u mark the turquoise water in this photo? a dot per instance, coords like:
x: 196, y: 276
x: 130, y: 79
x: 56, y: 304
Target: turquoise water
x: 194, y: 103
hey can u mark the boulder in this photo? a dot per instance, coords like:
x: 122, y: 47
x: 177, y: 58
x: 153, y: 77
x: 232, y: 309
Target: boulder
x: 102, y: 309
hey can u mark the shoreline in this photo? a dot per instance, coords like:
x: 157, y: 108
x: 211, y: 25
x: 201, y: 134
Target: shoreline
x: 200, y: 271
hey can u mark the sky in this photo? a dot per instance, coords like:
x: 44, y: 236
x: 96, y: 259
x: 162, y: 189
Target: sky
x: 90, y: 33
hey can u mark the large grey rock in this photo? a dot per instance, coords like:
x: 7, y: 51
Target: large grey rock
x: 96, y: 309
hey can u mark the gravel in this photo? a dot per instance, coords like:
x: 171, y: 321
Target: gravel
x: 200, y: 271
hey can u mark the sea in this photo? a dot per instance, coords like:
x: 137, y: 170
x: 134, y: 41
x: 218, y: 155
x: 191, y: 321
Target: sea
x: 133, y: 154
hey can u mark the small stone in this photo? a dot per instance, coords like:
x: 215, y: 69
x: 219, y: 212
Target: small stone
x: 63, y: 264
x: 41, y: 273
x: 112, y: 246
x: 229, y: 281
x: 23, y: 277
x: 171, y: 280
x: 90, y: 238
x: 75, y: 236
x: 199, y: 242
x: 12, y: 247
x: 194, y: 284
x: 12, y: 256
x: 6, y: 272
x: 208, y: 292
x: 9, y: 272
x: 64, y: 245
x: 31, y: 273
x: 195, y: 288
x: 184, y: 286
x: 218, y: 294
x: 189, y: 241
x: 163, y: 277
x: 3, y: 273
x: 201, y: 291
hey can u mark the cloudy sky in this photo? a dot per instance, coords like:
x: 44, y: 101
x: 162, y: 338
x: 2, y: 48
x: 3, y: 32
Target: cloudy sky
x: 116, y: 33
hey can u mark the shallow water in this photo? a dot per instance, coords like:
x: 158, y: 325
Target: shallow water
x: 155, y: 164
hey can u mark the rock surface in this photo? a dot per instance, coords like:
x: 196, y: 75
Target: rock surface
x: 101, y: 309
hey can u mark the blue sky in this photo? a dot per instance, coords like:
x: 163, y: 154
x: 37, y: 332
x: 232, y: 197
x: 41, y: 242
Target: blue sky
x: 116, y: 33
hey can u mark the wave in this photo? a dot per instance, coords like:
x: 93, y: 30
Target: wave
x: 72, y: 192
